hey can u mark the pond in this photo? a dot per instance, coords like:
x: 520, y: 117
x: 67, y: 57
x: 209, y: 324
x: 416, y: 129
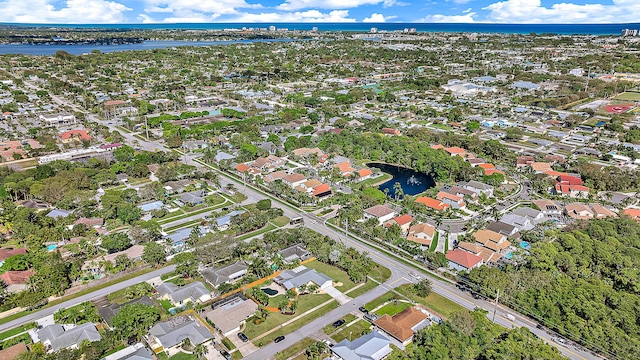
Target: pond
x: 411, y: 181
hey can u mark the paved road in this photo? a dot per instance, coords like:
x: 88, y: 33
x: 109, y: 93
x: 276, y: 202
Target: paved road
x: 94, y: 295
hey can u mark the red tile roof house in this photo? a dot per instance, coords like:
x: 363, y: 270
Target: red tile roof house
x: 75, y: 135
x: 294, y: 180
x: 404, y: 221
x: 345, y: 168
x: 382, y: 213
x: 432, y: 203
x: 364, y: 174
x: 95, y: 222
x: 7, y: 253
x: 16, y: 280
x: 633, y: 213
x: 461, y: 260
x: 524, y: 161
x: 322, y: 191
x: 422, y: 234
x: 454, y: 201
x: 390, y: 131
x: 456, y: 151
x: 404, y: 325
x: 571, y: 186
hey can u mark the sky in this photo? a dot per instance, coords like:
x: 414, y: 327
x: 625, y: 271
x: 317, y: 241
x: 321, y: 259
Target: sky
x: 274, y: 11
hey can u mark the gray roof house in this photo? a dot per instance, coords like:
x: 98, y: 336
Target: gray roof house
x: 148, y: 207
x: 295, y: 252
x: 223, y: 156
x: 171, y: 333
x: 223, y: 222
x: 519, y: 222
x: 193, y: 292
x: 180, y: 236
x: 56, y: 337
x: 502, y: 228
x: 176, y: 186
x: 293, y: 279
x: 108, y: 312
x: 531, y: 214
x: 373, y: 346
x: 194, y: 197
x: 134, y: 352
x: 58, y: 213
x: 478, y: 187
x: 225, y: 274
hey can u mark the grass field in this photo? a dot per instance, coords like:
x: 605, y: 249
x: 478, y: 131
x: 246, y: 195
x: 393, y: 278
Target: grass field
x: 183, y: 356
x: 628, y: 96
x: 434, y: 243
x: 362, y: 289
x: 338, y: 275
x: 435, y: 302
x: 329, y: 329
x: 280, y: 221
x: 16, y: 331
x: 353, y: 332
x: 265, y: 229
x: 380, y: 273
x: 228, y: 343
x: 296, y: 348
x: 305, y: 303
x: 392, y: 308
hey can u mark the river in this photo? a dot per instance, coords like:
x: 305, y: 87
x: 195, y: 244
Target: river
x: 411, y: 181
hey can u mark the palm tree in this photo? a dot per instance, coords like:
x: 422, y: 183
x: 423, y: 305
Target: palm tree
x: 186, y: 343
x: 397, y: 188
x: 201, y: 350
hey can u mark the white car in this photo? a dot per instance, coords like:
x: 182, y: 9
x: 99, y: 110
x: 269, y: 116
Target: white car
x: 415, y: 276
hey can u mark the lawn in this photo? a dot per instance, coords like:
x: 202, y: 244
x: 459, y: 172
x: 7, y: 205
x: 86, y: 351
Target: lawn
x: 381, y: 300
x: 228, y: 343
x: 329, y: 329
x: 354, y: 293
x: 380, y: 273
x: 295, y: 348
x: 305, y: 302
x: 166, y: 304
x: 628, y: 96
x: 15, y: 340
x: 183, y: 356
x: 352, y: 332
x: 280, y: 221
x: 435, y: 302
x: 434, y: 243
x: 338, y: 275
x: 298, y: 323
x: 392, y: 308
x: 16, y: 331
x: 265, y: 229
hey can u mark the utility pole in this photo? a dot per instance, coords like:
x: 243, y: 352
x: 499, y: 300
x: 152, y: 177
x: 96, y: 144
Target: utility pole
x: 495, y: 306
x: 146, y: 125
x: 346, y: 225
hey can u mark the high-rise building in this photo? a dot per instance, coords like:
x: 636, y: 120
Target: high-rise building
x: 373, y: 30
x: 315, y: 28
x: 272, y: 28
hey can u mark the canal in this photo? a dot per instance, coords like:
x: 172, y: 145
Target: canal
x: 411, y: 181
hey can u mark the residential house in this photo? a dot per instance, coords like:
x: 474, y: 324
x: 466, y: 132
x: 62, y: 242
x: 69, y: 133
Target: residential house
x: 177, y: 186
x: 372, y: 346
x: 461, y: 260
x: 34, y: 204
x: 489, y: 257
x: 57, y: 119
x: 571, y: 186
x: 293, y: 279
x: 578, y: 211
x: 226, y: 274
x: 478, y: 187
x: 524, y: 161
x: 133, y: 253
x: 404, y: 325
x: 9, y: 148
x: 90, y: 222
x: 503, y: 228
x: 632, y: 213
x: 492, y: 240
x: 277, y: 175
x: 16, y: 280
x: 170, y: 334
x: 151, y: 206
x: 390, y: 131
x: 59, y: 213
x: 432, y: 203
x: 224, y: 222
x: 294, y: 180
x: 454, y: 201
x: 221, y: 156
x: 56, y: 337
x: 75, y: 135
x: 600, y: 212
x: 364, y: 174
x: 403, y: 221
x: 229, y: 317
x: 294, y: 253
x: 462, y: 192
x: 14, y: 351
x: 519, y: 222
x: 548, y: 207
x: 307, y: 186
x: 178, y: 238
x: 194, y: 292
x: 456, y: 151
x: 133, y: 352
x: 193, y: 198
x: 110, y: 311
x: 382, y: 213
x: 531, y: 214
x: 194, y: 145
x: 322, y: 191
x: 345, y: 168
x: 422, y: 234
x: 7, y: 253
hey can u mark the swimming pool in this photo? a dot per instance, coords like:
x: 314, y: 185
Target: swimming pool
x: 509, y: 255
x: 525, y: 245
x: 51, y: 247
x: 269, y: 291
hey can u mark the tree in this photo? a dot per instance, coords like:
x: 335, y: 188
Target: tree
x: 16, y: 262
x: 116, y: 242
x: 200, y: 351
x: 473, y: 126
x: 134, y: 320
x: 264, y: 204
x: 154, y: 253
x: 124, y: 153
x: 422, y: 288
x: 186, y: 264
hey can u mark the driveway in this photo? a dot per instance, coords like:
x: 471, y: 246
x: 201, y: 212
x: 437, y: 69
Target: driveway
x: 244, y: 348
x: 337, y: 295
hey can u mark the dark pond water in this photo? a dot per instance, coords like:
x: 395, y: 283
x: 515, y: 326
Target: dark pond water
x: 412, y: 182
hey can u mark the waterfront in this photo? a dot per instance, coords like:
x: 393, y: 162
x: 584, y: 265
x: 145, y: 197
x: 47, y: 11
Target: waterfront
x: 46, y: 50
x: 412, y: 182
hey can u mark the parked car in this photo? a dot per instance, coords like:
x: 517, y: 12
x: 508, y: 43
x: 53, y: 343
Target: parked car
x: 226, y: 355
x: 338, y: 323
x: 362, y: 309
x: 278, y: 339
x: 243, y: 337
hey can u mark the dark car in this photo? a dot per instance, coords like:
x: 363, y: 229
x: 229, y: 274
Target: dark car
x: 278, y: 339
x: 539, y: 327
x: 226, y: 354
x: 361, y: 308
x: 243, y: 337
x: 338, y: 323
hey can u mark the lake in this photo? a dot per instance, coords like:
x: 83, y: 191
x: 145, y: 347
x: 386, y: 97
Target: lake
x: 43, y: 49
x: 412, y: 182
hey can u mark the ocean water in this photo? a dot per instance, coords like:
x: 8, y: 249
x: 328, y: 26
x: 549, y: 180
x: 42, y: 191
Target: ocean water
x: 41, y: 49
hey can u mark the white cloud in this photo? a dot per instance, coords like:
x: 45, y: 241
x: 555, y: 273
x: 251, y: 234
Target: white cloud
x: 378, y: 18
x: 390, y: 3
x: 467, y: 11
x: 532, y: 11
x: 325, y: 4
x: 298, y: 16
x: 468, y: 17
x: 183, y: 8
x: 71, y: 12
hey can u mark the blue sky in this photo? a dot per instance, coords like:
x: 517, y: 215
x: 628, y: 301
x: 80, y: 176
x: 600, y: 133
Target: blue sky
x: 272, y: 11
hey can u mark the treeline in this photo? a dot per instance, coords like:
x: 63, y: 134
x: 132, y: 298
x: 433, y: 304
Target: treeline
x: 473, y: 336
x: 583, y: 282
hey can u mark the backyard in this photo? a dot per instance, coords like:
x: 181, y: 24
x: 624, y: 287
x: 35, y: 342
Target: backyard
x: 338, y: 275
x: 392, y: 308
